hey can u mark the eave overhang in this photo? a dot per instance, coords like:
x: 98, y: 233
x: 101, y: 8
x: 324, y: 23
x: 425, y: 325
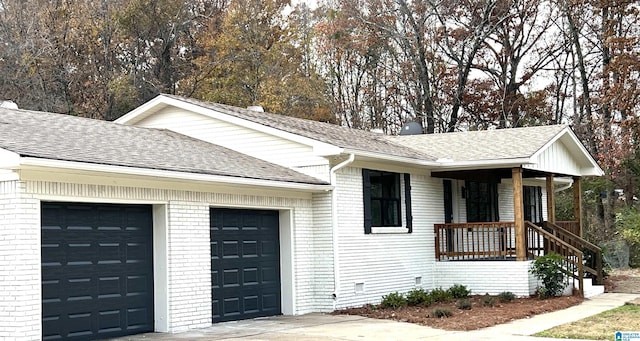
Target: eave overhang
x: 72, y: 167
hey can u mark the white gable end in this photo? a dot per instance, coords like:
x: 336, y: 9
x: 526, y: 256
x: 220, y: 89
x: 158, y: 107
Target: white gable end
x: 556, y: 159
x: 242, y: 139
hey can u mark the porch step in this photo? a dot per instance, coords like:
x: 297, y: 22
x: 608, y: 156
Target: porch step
x: 591, y: 289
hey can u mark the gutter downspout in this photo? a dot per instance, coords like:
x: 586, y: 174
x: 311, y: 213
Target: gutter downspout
x: 334, y: 222
x: 557, y: 190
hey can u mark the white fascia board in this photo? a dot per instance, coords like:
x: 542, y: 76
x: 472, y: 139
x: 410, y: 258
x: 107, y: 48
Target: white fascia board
x: 592, y: 170
x: 392, y: 158
x: 9, y: 159
x: 439, y: 165
x: 482, y: 164
x: 141, y: 112
x: 28, y: 162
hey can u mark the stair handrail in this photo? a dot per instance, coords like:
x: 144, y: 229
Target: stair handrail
x: 582, y: 243
x: 571, y: 250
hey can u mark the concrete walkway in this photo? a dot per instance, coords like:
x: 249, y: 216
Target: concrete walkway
x: 352, y: 328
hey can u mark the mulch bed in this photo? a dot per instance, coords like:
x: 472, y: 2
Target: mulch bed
x: 479, y: 316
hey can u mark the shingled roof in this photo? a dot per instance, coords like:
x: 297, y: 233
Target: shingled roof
x: 69, y: 138
x: 495, y: 148
x: 339, y: 136
x: 500, y: 144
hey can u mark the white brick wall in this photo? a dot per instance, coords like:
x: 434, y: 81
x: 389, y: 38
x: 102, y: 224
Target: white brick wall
x: 492, y: 277
x: 189, y: 266
x: 384, y: 263
x: 188, y: 249
x: 20, y: 307
x: 323, y: 279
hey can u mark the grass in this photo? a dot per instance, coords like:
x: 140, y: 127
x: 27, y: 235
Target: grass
x: 599, y: 327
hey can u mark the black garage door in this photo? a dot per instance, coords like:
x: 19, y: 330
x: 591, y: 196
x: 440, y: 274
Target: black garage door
x: 97, y: 270
x: 245, y: 264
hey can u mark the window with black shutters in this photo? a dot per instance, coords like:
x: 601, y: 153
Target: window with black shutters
x: 383, y: 199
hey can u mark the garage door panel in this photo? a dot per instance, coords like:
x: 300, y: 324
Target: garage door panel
x: 270, y: 275
x: 245, y: 264
x: 231, y: 278
x: 250, y: 248
x: 271, y: 302
x: 97, y: 270
x: 110, y: 321
x: 230, y: 249
x: 250, y: 276
x: 269, y: 249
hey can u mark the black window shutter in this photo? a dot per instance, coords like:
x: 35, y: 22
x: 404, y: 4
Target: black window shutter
x: 407, y: 201
x: 366, y: 195
x: 539, y: 203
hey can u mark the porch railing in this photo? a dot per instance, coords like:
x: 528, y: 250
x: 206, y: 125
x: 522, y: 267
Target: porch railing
x: 570, y: 226
x: 573, y: 263
x: 475, y: 241
x: 592, y: 253
x: 496, y: 241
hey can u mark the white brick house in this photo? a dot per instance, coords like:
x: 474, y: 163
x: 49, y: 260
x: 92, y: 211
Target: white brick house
x: 184, y: 213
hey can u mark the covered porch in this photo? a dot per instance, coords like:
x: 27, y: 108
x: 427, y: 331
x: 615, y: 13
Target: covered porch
x: 531, y: 233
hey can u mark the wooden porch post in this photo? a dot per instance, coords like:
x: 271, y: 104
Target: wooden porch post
x: 518, y: 212
x: 551, y: 200
x: 577, y: 203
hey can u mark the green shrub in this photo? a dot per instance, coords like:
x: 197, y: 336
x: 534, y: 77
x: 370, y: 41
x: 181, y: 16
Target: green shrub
x: 417, y: 297
x: 548, y: 269
x: 459, y: 291
x: 463, y: 304
x: 488, y: 301
x: 506, y: 296
x: 441, y: 313
x: 393, y: 300
x: 440, y: 295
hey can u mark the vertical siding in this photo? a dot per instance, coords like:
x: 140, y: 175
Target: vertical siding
x: 556, y: 159
x: 383, y: 263
x: 241, y: 139
x: 20, y: 314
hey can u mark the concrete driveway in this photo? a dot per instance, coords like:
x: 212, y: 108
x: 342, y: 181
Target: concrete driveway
x: 324, y: 327
x: 305, y: 327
